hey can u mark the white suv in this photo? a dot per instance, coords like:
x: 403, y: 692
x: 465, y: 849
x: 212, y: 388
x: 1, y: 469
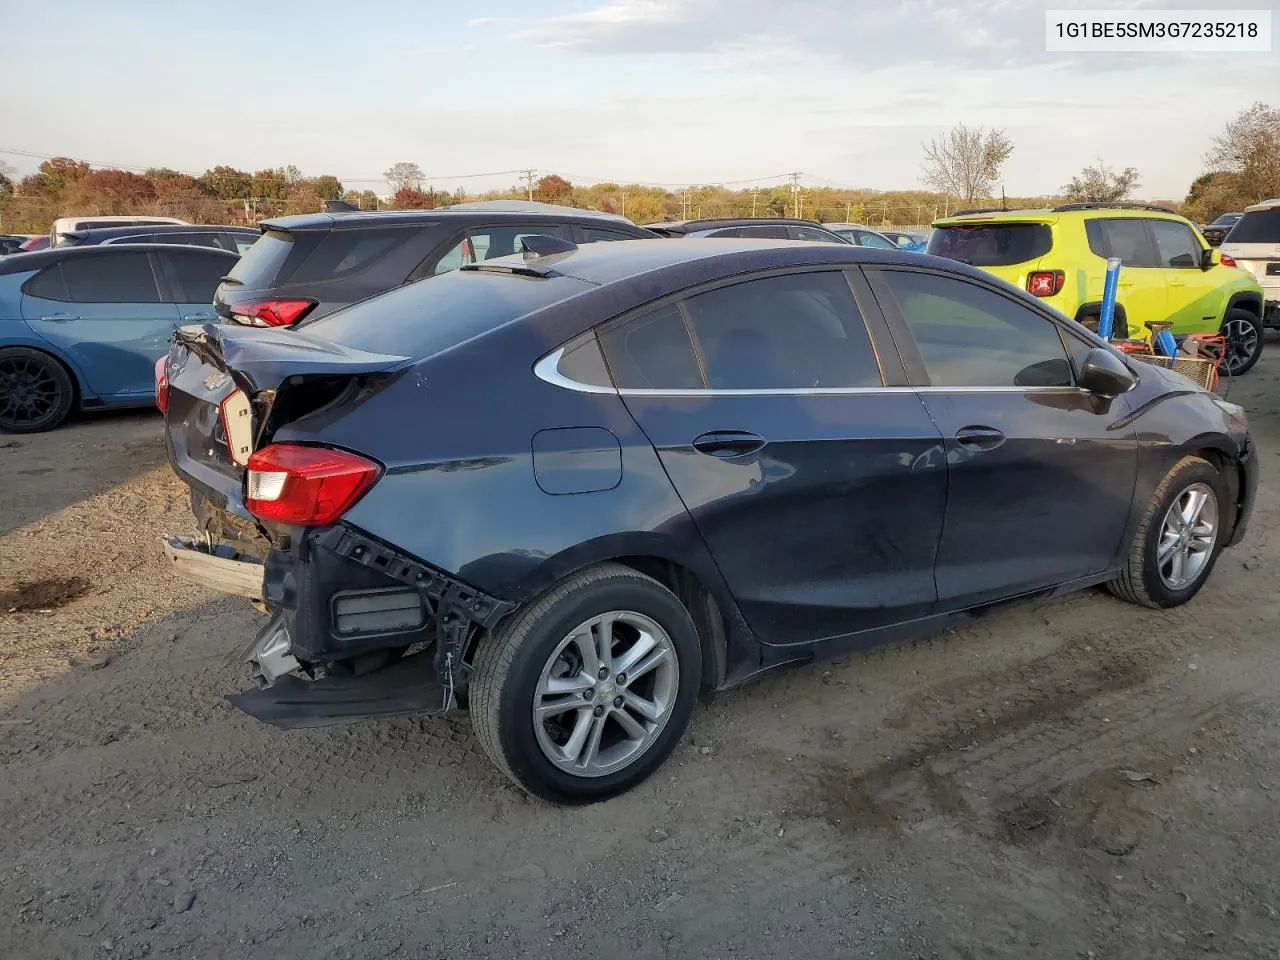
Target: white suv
x: 1254, y: 244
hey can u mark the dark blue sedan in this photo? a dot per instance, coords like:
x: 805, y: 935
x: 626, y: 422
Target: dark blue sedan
x: 573, y: 490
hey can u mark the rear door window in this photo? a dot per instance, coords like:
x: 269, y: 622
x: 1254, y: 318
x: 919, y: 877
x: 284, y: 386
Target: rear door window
x: 193, y: 275
x: 812, y: 233
x: 344, y: 252
x: 1128, y: 238
x: 775, y: 232
x: 260, y: 266
x: 596, y: 235
x: 992, y: 244
x: 1259, y: 226
x: 114, y: 278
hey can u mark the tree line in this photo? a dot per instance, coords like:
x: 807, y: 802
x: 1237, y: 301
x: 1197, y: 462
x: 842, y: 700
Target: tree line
x: 961, y: 168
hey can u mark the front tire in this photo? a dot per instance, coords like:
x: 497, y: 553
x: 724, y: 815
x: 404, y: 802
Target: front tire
x: 1244, y: 335
x: 1178, y: 540
x: 36, y: 394
x: 584, y: 694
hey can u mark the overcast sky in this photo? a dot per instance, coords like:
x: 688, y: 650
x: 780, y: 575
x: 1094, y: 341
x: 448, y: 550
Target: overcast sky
x: 670, y: 91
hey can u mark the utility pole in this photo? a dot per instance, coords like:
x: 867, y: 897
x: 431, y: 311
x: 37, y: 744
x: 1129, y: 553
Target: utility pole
x: 755, y: 197
x: 528, y: 181
x: 848, y: 211
x: 795, y: 192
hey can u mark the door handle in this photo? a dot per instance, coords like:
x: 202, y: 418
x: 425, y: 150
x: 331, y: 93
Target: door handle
x: 197, y: 317
x: 58, y: 318
x: 727, y: 444
x: 979, y: 438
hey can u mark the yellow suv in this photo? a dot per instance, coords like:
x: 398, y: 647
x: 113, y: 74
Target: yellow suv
x: 1169, y: 271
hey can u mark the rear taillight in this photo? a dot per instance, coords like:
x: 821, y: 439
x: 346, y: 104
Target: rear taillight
x: 162, y: 384
x: 306, y: 486
x: 1045, y: 283
x: 272, y: 313
x: 1228, y: 261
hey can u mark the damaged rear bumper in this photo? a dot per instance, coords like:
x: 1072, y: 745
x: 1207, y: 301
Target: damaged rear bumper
x: 409, y: 685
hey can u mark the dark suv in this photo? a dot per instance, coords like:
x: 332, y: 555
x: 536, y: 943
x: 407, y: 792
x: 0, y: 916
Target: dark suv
x: 312, y: 265
x: 763, y: 228
x: 234, y: 239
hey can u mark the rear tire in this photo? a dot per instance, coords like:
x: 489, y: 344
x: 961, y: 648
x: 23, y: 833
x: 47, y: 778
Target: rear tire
x: 598, y: 730
x: 1244, y: 333
x: 1152, y: 576
x: 36, y: 393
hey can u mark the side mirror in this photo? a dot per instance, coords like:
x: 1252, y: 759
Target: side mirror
x: 1105, y: 374
x: 1210, y: 258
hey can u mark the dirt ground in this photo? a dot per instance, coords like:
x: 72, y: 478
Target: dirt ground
x: 1079, y: 779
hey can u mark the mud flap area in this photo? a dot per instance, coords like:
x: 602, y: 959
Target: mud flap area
x: 409, y: 686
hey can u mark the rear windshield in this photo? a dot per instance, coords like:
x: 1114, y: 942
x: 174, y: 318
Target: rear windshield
x: 261, y: 262
x: 1260, y: 226
x: 425, y: 317
x: 992, y: 244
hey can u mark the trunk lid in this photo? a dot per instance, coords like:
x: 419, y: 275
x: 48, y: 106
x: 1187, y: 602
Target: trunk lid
x: 230, y: 387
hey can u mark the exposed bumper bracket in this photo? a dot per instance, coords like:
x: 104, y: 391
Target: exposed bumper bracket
x: 457, y: 608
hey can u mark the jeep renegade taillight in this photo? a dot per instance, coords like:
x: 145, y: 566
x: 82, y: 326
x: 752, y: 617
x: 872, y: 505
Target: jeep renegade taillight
x: 272, y: 313
x: 306, y: 486
x: 1045, y: 283
x: 1228, y: 261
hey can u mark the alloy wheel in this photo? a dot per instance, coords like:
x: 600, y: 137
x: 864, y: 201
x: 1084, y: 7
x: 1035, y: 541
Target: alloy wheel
x: 1242, y: 344
x: 605, y: 694
x: 28, y: 392
x: 1188, y: 536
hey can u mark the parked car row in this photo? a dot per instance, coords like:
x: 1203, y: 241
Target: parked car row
x: 306, y: 267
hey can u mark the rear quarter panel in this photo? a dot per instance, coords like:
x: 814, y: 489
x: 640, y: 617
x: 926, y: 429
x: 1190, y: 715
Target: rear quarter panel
x: 456, y: 436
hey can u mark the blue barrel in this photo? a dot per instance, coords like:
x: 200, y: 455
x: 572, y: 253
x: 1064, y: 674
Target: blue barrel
x: 1106, y: 319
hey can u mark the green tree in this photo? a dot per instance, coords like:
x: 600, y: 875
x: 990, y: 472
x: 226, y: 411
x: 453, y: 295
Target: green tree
x: 228, y: 183
x: 327, y: 187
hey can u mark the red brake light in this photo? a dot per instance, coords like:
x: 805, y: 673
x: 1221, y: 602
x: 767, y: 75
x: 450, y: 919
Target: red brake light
x: 306, y: 486
x: 162, y: 384
x: 272, y: 313
x: 1045, y: 283
x: 1228, y: 261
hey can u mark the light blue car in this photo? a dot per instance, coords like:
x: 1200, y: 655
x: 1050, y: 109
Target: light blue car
x: 906, y: 241
x: 83, y: 327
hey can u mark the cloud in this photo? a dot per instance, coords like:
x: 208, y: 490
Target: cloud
x: 752, y: 34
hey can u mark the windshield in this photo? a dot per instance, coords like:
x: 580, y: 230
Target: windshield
x: 1259, y: 226
x: 992, y: 244
x: 1226, y: 220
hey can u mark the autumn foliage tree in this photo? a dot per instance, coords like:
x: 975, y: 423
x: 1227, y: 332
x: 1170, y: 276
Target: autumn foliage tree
x: 553, y: 189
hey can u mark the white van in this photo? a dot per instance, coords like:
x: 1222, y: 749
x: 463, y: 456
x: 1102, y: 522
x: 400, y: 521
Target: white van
x: 71, y: 224
x: 1254, y: 244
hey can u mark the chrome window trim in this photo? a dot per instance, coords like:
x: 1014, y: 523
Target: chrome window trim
x: 547, y: 370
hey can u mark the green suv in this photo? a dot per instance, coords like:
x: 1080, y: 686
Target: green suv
x: 1169, y: 273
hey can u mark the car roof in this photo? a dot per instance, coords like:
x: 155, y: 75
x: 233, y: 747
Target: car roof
x: 397, y: 218
x: 717, y: 223
x: 1264, y: 205
x: 133, y: 228
x: 39, y: 259
x: 1053, y: 214
x: 605, y: 263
